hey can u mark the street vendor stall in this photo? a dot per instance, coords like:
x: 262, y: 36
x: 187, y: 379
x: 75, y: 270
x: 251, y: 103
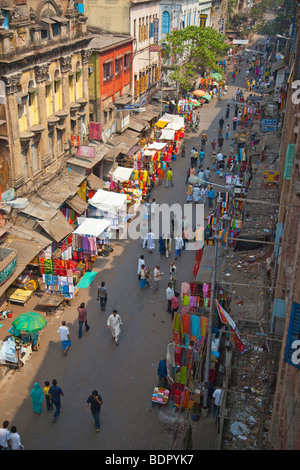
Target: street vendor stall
x: 25, y: 338
x: 111, y: 206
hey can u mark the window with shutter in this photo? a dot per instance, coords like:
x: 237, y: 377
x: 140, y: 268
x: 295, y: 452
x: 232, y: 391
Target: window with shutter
x: 151, y: 33
x: 292, y: 349
x: 289, y: 160
x: 165, y: 24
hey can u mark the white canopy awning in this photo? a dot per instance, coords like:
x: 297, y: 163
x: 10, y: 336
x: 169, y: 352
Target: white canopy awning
x: 167, y: 134
x: 157, y: 146
x: 92, y: 227
x: 122, y: 174
x: 108, y: 201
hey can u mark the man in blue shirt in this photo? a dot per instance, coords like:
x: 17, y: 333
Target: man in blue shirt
x: 55, y: 392
x: 211, y: 196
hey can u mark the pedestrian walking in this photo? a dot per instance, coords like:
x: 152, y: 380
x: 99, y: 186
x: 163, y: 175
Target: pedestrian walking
x: 196, y: 194
x: 216, y: 399
x: 47, y: 397
x: 114, y: 323
x: 5, y: 436
x: 227, y: 132
x: 213, y: 144
x: 150, y: 241
x: 203, y: 194
x: 169, y: 178
x: 202, y: 156
x: 188, y: 174
x: 141, y: 262
x: 173, y: 278
x: 227, y: 111
x: 189, y: 193
x: 102, y: 296
x: 95, y: 401
x: 169, y: 295
x: 64, y: 334
x: 55, y: 393
x: 203, y: 141
x: 220, y: 142
x: 178, y: 246
x: 157, y: 275
x: 37, y: 397
x: 15, y: 439
x: 142, y: 277
x: 82, y: 319
x: 175, y: 303
x: 213, y: 160
x: 211, y: 196
x: 221, y: 123
x: 234, y: 121
x: 207, y: 175
x: 194, y: 159
x: 193, y: 150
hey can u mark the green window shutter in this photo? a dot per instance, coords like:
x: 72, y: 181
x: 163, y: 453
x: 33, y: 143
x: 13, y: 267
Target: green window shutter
x: 289, y: 161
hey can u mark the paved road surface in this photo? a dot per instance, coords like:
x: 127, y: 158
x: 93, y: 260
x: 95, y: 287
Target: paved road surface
x: 123, y: 375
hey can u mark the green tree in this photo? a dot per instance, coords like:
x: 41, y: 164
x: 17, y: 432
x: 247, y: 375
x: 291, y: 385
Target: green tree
x: 193, y: 51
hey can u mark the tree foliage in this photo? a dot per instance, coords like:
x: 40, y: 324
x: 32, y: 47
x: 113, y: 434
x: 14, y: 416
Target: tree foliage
x: 191, y: 52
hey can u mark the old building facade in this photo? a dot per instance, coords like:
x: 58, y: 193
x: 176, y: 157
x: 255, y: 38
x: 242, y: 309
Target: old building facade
x: 43, y: 86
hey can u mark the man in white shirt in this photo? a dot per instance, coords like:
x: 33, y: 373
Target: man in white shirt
x: 5, y: 437
x: 217, y: 395
x: 15, y: 439
x: 156, y: 276
x: 114, y: 323
x: 169, y: 295
x: 64, y: 334
x: 141, y: 261
x: 178, y: 246
x: 220, y: 157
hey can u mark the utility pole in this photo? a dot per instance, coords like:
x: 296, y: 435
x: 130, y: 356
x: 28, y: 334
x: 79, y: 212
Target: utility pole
x: 216, y: 238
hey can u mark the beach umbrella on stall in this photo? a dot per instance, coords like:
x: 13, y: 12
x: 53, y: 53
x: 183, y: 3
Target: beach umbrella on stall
x: 199, y: 92
x: 29, y: 322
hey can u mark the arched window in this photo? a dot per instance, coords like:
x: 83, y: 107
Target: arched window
x: 165, y: 25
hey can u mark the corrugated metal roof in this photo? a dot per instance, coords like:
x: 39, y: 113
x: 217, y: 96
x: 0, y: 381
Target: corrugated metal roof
x: 58, y: 228
x: 77, y: 204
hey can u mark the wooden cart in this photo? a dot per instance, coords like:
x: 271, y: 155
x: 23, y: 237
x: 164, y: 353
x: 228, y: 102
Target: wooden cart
x: 50, y: 302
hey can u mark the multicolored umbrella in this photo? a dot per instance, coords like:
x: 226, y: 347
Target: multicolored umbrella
x: 29, y: 322
x: 199, y: 92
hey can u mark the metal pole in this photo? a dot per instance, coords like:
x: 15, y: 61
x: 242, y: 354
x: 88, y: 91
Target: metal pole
x: 115, y: 137
x: 210, y: 322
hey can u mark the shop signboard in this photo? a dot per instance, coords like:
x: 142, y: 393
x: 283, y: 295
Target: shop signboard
x: 203, y: 19
x: 155, y: 35
x: 269, y: 125
x: 8, y: 265
x: 271, y: 176
x: 86, y: 152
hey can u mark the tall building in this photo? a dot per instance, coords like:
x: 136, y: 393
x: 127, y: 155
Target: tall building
x: 43, y: 88
x: 284, y: 431
x: 138, y: 19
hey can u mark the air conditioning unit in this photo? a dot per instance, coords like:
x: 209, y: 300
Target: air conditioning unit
x: 90, y: 69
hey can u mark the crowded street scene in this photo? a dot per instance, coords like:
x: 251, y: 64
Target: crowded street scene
x: 149, y: 277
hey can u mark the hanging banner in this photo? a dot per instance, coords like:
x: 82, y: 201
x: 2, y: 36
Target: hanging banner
x: 75, y: 141
x: 95, y: 131
x: 155, y: 35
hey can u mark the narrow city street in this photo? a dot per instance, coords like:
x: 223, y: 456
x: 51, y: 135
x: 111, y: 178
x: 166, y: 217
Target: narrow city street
x: 125, y: 375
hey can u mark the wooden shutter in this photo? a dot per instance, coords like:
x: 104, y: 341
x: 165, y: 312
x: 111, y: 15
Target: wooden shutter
x: 289, y: 160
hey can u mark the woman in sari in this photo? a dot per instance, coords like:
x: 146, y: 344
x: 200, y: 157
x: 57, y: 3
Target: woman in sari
x: 37, y: 397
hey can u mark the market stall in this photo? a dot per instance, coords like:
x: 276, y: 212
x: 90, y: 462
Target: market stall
x: 25, y: 331
x: 111, y: 206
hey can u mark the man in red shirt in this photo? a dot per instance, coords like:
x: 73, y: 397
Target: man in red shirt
x: 175, y: 303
